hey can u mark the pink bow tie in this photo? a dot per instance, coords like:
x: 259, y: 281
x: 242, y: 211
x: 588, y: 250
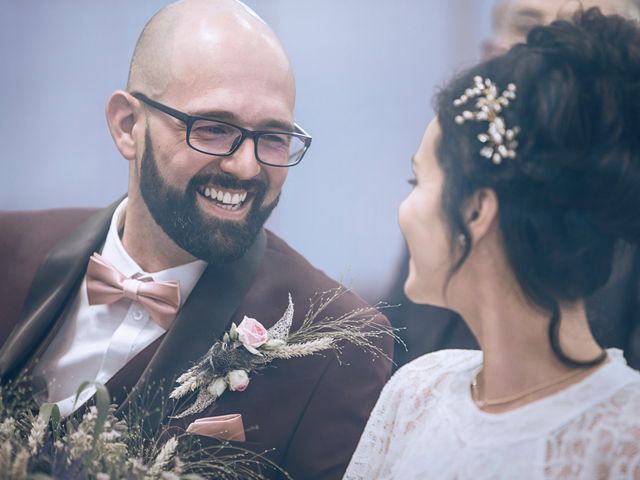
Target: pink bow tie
x: 105, y: 284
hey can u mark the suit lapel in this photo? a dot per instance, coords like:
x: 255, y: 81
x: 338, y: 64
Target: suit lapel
x: 58, y: 277
x: 201, y: 321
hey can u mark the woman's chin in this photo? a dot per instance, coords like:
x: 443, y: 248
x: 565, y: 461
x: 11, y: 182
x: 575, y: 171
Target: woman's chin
x: 422, y: 294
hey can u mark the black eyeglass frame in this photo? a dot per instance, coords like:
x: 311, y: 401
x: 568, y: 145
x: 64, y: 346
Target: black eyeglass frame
x: 245, y: 133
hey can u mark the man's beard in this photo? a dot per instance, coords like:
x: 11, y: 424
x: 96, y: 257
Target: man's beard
x: 213, y: 240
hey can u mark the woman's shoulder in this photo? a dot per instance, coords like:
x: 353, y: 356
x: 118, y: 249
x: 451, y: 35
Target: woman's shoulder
x: 621, y: 408
x: 605, y: 437
x: 623, y: 386
x: 430, y: 369
x: 444, y: 360
x: 610, y: 400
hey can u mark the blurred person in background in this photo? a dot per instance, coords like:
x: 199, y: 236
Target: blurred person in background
x: 614, y: 312
x: 512, y: 20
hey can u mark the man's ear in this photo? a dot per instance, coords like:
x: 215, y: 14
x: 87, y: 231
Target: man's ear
x: 122, y: 118
x: 481, y: 213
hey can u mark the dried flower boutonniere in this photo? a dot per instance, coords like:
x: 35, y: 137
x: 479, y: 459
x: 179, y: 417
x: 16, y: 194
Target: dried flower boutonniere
x: 249, y: 346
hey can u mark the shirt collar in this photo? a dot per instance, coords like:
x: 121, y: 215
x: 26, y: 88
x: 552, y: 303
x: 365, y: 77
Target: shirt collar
x: 187, y: 275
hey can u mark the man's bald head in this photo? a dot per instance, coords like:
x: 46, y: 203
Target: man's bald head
x: 512, y: 19
x: 204, y: 26
x: 218, y: 60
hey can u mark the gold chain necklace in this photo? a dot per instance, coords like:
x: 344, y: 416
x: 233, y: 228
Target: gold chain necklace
x: 511, y: 398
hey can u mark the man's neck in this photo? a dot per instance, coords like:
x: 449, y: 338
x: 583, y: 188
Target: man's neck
x: 147, y: 244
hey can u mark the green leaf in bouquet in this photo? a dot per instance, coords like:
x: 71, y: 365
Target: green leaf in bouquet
x: 51, y: 412
x: 102, y: 406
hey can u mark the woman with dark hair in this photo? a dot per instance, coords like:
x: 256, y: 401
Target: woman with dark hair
x: 524, y: 185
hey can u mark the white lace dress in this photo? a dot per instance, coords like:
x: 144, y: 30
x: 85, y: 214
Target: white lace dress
x: 426, y: 426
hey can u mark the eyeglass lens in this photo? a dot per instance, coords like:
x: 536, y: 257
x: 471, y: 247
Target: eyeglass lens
x: 220, y: 138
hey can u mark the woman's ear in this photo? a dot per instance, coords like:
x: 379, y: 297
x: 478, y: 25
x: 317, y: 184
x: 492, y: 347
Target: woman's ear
x: 481, y: 213
x: 121, y: 117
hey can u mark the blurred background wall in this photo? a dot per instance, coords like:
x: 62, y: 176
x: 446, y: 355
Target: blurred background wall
x: 366, y: 71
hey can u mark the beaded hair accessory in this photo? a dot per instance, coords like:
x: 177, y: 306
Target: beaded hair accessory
x: 499, y: 141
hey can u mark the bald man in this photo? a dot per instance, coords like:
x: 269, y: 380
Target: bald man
x: 206, y: 127
x: 614, y: 311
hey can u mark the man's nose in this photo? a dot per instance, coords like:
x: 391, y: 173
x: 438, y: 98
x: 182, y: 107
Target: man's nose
x: 243, y: 163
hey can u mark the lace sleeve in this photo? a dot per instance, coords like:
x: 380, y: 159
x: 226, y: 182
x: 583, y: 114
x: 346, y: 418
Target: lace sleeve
x: 602, y: 443
x: 402, y: 407
x: 369, y: 457
x: 619, y: 436
x: 627, y: 455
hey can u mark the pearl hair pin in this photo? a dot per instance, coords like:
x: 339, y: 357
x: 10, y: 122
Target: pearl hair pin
x: 499, y: 141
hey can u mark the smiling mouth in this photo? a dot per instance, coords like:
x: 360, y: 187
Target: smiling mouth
x: 231, y: 200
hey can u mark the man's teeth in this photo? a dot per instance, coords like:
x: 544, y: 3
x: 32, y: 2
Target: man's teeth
x: 228, y: 198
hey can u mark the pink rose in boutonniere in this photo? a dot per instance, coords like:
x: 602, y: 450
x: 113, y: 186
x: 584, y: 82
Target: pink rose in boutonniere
x: 252, y: 334
x: 238, y: 380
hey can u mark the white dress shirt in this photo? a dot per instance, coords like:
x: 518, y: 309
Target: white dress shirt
x: 96, y: 341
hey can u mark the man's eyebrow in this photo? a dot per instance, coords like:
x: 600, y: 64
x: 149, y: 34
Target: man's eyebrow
x: 226, y: 116
x: 279, y: 125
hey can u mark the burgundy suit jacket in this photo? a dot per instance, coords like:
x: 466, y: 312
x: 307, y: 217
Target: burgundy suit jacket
x: 310, y: 411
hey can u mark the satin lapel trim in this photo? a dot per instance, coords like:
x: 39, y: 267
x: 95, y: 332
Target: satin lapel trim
x: 58, y: 276
x: 202, y: 320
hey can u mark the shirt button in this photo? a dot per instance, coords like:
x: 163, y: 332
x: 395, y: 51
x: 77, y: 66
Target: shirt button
x: 137, y: 315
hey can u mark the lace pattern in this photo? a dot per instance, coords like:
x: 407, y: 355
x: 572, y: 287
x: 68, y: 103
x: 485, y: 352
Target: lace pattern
x: 425, y: 425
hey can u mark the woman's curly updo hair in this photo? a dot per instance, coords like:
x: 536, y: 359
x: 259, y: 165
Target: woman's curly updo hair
x: 573, y: 189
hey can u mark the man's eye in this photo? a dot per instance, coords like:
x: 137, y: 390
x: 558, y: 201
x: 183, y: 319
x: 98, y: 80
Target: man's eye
x: 413, y: 182
x: 205, y: 128
x: 276, y: 139
x: 212, y: 130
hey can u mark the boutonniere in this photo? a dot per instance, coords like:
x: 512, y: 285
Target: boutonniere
x: 249, y: 347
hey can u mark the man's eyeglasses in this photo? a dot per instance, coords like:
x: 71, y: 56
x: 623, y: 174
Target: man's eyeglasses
x: 215, y: 137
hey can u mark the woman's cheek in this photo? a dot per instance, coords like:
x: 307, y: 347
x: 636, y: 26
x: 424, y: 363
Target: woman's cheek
x: 404, y: 216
